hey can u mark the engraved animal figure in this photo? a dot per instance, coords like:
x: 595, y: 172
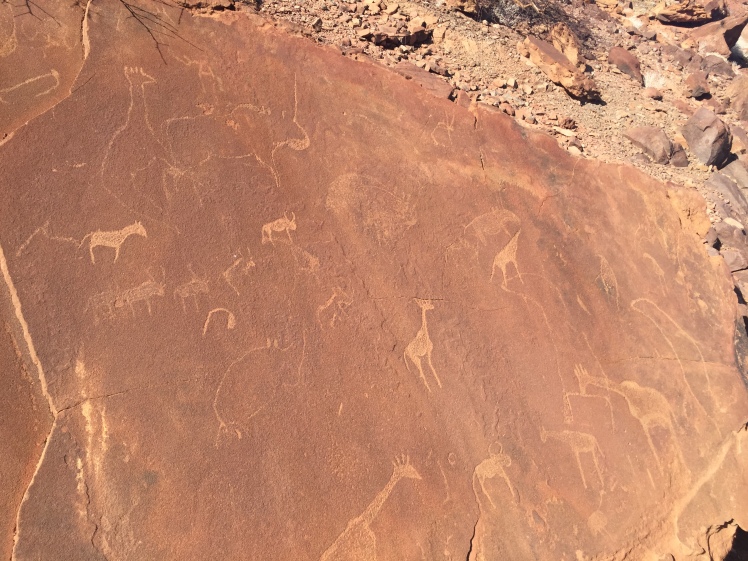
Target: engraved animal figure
x: 113, y: 239
x: 279, y: 225
x: 337, y: 303
x: 421, y: 346
x: 191, y: 289
x: 650, y: 408
x: 358, y: 542
x: 608, y: 280
x: 236, y: 268
x: 491, y: 467
x: 142, y: 293
x: 585, y: 381
x: 491, y: 223
x: 507, y: 256
x: 579, y: 442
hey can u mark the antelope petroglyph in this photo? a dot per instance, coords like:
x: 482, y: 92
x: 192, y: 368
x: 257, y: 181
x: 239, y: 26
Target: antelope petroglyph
x: 279, y: 225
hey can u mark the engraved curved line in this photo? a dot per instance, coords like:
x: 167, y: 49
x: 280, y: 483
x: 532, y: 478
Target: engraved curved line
x: 230, y: 319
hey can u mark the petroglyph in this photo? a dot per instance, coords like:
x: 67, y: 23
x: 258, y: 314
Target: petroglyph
x: 358, y: 542
x: 491, y: 223
x: 230, y: 319
x: 505, y: 257
x: 585, y: 381
x: 421, y: 346
x: 191, y: 289
x: 447, y: 126
x: 491, y: 467
x: 44, y: 230
x: 579, y: 442
x: 335, y: 308
x: 297, y: 144
x: 607, y: 280
x: 141, y: 293
x: 279, y: 225
x: 240, y: 267
x: 113, y: 239
x: 53, y: 75
x: 658, y: 271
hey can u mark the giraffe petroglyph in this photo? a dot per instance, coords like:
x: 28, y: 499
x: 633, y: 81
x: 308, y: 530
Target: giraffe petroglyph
x: 421, y: 346
x: 113, y: 238
x: 505, y: 257
x: 280, y: 225
x: 358, y: 542
x: 579, y: 442
x: 491, y: 467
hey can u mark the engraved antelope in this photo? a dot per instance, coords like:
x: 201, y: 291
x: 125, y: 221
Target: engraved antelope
x: 191, y: 289
x: 578, y: 442
x: 113, y: 239
x: 421, y: 346
x: 279, y: 225
x: 491, y: 467
x: 141, y: 293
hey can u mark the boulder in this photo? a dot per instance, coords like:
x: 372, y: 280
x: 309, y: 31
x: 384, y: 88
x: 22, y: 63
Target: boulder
x: 687, y: 11
x: 679, y: 158
x: 558, y: 69
x: 737, y: 93
x: 566, y: 41
x: 708, y: 138
x: 653, y: 142
x: 626, y: 62
x: 720, y: 36
x: 717, y: 65
x: 305, y: 310
x: 737, y: 171
x: 696, y: 85
x: 427, y: 80
x: 728, y: 190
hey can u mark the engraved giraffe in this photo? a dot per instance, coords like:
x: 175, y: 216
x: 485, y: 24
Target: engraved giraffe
x: 491, y: 467
x: 579, y: 442
x: 113, y: 238
x: 505, y: 257
x: 358, y: 542
x: 421, y: 345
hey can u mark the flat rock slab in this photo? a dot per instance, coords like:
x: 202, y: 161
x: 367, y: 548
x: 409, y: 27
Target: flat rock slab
x: 287, y: 305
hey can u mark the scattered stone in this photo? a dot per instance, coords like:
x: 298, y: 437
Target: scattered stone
x: 737, y: 171
x: 735, y: 260
x: 558, y: 69
x: 525, y: 114
x: 317, y: 24
x: 567, y: 123
x: 708, y: 138
x: 679, y: 158
x: 739, y: 140
x: 716, y: 66
x: 626, y: 62
x: 720, y: 36
x: 729, y: 191
x: 512, y: 83
x: 506, y: 108
x: 737, y: 93
x: 696, y: 85
x: 652, y: 141
x: 652, y: 93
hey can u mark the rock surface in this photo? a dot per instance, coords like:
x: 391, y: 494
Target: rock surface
x: 626, y: 63
x: 653, y: 142
x: 281, y: 304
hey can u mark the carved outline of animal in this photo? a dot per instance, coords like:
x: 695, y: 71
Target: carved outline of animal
x: 357, y: 541
x: 608, y: 280
x: 279, y: 225
x: 578, y: 442
x: 585, y: 380
x: 342, y: 303
x: 141, y: 293
x: 491, y: 223
x: 421, y: 345
x: 507, y: 255
x: 229, y: 274
x: 113, y: 238
x: 191, y: 288
x: 491, y: 467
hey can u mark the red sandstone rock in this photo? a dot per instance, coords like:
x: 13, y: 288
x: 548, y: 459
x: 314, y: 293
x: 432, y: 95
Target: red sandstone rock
x: 626, y: 63
x: 287, y: 305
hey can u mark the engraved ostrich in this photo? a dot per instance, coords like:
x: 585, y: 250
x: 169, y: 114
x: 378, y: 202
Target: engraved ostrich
x: 358, y: 542
x: 421, y: 346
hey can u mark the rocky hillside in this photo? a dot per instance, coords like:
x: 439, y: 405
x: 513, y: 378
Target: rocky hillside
x: 372, y: 281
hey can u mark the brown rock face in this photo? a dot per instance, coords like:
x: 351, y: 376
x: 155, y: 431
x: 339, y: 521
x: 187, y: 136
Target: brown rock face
x: 696, y: 85
x: 687, y: 11
x: 286, y: 305
x: 566, y: 41
x: 708, y: 137
x: 626, y: 63
x: 559, y: 69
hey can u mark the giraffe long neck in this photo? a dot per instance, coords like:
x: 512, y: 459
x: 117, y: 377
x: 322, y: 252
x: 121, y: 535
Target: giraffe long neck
x: 373, y: 509
x: 424, y: 327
